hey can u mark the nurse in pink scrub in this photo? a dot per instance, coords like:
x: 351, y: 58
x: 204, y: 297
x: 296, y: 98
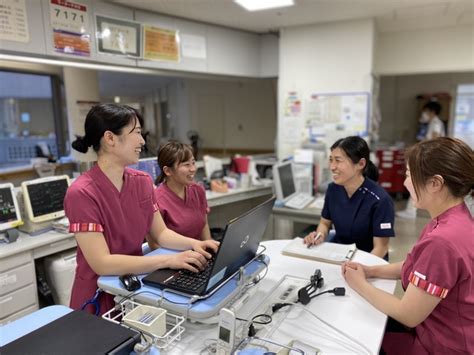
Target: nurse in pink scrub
x: 112, y: 209
x: 181, y: 201
x: 437, y: 310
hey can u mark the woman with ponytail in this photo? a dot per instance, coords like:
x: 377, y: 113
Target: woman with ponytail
x: 436, y: 311
x: 112, y: 209
x: 361, y: 211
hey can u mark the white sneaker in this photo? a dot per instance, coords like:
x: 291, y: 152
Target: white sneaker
x: 406, y: 214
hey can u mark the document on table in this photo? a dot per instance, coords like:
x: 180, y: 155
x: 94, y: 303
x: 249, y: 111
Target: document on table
x: 326, y: 252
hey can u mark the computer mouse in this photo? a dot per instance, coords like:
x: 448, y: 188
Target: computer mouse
x: 130, y: 282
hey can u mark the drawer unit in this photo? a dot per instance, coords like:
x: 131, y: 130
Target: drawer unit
x: 18, y: 315
x: 16, y: 278
x: 18, y: 300
x: 391, y: 166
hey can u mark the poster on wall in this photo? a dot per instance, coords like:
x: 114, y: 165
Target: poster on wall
x: 70, y: 24
x: 13, y: 21
x: 330, y: 116
x: 116, y: 36
x: 292, y: 105
x: 160, y: 44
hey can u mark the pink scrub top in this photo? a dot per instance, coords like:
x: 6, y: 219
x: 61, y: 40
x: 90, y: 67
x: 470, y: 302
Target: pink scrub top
x: 93, y: 204
x: 186, y: 217
x: 441, y: 263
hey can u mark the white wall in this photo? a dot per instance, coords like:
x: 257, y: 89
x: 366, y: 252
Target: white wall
x: 79, y: 85
x: 425, y: 51
x: 269, y: 55
x: 329, y: 58
x: 398, y: 104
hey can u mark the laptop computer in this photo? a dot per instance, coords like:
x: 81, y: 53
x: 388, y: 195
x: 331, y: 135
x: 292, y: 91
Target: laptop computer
x: 77, y: 332
x: 239, y: 245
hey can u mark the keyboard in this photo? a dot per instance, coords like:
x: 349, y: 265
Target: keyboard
x: 299, y: 201
x: 192, y: 281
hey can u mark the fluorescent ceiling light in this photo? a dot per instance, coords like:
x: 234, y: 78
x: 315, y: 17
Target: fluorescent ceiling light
x: 257, y: 5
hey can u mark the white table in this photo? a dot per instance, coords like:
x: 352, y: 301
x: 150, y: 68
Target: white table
x: 351, y: 313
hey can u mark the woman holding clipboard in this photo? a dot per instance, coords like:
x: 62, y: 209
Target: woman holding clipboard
x: 362, y: 212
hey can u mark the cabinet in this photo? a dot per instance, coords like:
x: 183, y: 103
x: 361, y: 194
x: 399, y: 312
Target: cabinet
x: 391, y: 165
x: 17, y: 286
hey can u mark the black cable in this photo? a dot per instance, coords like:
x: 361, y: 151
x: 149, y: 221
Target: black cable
x: 338, y: 291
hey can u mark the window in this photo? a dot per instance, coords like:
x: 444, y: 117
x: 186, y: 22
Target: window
x: 32, y: 122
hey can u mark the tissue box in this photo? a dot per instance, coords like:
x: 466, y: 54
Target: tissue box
x: 147, y: 318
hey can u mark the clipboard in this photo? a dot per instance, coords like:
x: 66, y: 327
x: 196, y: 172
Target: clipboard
x: 332, y: 253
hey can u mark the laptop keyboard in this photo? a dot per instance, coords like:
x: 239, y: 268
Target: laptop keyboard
x: 192, y: 281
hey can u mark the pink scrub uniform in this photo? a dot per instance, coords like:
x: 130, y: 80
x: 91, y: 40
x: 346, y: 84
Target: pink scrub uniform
x: 441, y: 263
x: 93, y: 204
x: 186, y: 217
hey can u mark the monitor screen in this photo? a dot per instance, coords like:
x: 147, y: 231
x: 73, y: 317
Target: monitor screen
x: 9, y: 211
x: 149, y: 166
x: 287, y: 183
x: 44, y: 197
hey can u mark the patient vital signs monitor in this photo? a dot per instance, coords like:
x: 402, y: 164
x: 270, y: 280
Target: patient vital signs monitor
x: 9, y: 212
x: 44, y: 198
x: 149, y: 166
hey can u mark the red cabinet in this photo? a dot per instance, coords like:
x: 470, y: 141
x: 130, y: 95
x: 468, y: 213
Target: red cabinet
x: 391, y: 165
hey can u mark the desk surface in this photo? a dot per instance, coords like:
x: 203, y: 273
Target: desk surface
x: 43, y: 244
x: 51, y: 242
x: 234, y: 195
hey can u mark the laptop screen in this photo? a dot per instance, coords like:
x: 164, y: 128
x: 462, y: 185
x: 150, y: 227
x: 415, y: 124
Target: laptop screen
x: 240, y: 243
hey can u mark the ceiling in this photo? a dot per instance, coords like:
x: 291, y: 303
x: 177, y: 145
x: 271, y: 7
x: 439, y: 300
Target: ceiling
x: 390, y: 15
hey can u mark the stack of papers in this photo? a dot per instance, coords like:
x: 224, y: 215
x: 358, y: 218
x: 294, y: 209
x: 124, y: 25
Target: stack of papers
x: 61, y: 225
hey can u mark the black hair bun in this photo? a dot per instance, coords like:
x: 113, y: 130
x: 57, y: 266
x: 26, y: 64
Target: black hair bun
x: 80, y: 144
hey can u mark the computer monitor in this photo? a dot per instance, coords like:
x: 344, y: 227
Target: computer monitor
x: 10, y: 216
x: 44, y: 198
x: 284, y: 181
x: 149, y: 166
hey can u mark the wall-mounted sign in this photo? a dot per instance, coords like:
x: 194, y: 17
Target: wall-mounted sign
x: 70, y: 24
x: 116, y: 36
x: 160, y: 44
x: 13, y: 21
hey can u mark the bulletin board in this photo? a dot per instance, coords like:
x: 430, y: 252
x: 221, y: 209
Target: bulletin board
x: 345, y: 114
x: 322, y: 118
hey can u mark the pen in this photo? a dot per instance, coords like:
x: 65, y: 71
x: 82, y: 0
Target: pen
x: 319, y: 235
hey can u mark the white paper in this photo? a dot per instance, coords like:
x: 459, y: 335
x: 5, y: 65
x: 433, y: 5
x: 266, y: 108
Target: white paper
x: 14, y: 22
x: 303, y: 156
x: 193, y: 46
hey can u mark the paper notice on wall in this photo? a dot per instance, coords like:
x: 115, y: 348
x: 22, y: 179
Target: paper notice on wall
x: 293, y: 105
x: 13, y: 21
x: 193, y: 46
x: 160, y: 44
x: 70, y: 24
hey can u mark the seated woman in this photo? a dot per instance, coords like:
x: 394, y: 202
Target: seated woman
x: 112, y: 208
x: 181, y: 201
x: 438, y: 273
x: 361, y: 211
